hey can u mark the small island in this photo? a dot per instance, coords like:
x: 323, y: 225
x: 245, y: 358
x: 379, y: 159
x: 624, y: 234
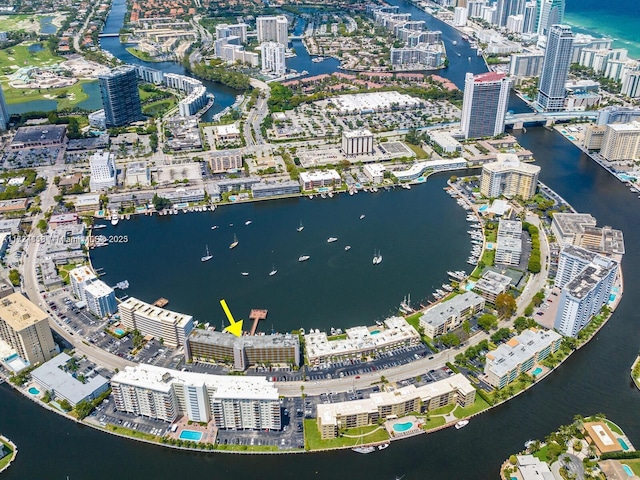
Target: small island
x: 8, y: 452
x: 589, y: 447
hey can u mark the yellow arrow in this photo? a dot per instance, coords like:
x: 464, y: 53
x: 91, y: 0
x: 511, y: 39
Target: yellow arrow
x: 234, y: 327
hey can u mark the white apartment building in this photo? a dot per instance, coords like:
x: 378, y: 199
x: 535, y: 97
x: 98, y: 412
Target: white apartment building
x: 225, y: 160
x: 231, y: 402
x: 361, y: 340
x: 101, y: 299
x: 621, y: 141
x: 509, y: 177
x: 585, y: 295
x: 460, y: 16
x: 519, y: 355
x: 333, y: 417
x: 103, y: 171
x: 447, y: 316
x: 148, y: 319
x: 273, y: 60
x: 374, y: 172
x: 631, y: 83
x: 509, y: 242
x: 357, y: 142
x: 273, y: 29
x: 319, y: 178
x: 80, y: 277
x: 492, y: 284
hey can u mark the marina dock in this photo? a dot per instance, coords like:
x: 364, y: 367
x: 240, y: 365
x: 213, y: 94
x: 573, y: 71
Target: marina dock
x: 256, y: 315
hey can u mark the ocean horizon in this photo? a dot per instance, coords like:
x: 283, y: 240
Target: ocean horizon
x: 618, y: 20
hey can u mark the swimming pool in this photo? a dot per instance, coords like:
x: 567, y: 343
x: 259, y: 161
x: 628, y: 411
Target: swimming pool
x: 34, y: 391
x: 623, y: 444
x: 190, y: 435
x: 119, y: 331
x: 323, y: 189
x: 626, y: 178
x: 402, y: 427
x: 627, y: 470
x: 489, y: 246
x: 612, y: 298
x: 375, y: 332
x: 483, y: 208
x: 469, y: 286
x: 536, y: 372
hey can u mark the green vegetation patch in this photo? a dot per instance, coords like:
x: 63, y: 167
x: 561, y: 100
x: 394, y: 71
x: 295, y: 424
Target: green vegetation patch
x: 142, y: 55
x: 542, y: 454
x: 443, y: 410
x: 633, y: 464
x: 12, y: 22
x: 368, y: 434
x: 420, y: 153
x: 614, y: 428
x: 154, y: 109
x: 63, y: 271
x: 478, y: 406
x: 433, y: 422
x: 19, y: 56
x: 5, y: 461
x: 131, y: 433
x: 66, y: 97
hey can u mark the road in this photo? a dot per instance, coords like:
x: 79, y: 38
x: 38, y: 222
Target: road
x: 538, y: 280
x: 32, y: 290
x: 255, y: 116
x: 85, y: 25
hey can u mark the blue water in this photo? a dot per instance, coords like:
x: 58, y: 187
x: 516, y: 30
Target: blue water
x: 34, y: 391
x: 35, y: 48
x: 623, y: 444
x: 119, y: 331
x: 191, y: 435
x: 483, y: 208
x: 626, y: 178
x: 402, y: 427
x: 627, y: 470
x: 375, y: 332
x: 47, y: 27
x: 618, y: 20
x: 536, y: 372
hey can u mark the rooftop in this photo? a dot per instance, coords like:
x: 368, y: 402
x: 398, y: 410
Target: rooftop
x: 439, y: 313
x: 19, y: 312
x: 229, y: 340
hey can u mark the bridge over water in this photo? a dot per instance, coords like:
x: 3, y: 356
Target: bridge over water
x: 519, y: 119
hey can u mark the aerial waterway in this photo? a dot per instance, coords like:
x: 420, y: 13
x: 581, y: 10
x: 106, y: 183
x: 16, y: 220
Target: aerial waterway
x: 595, y: 379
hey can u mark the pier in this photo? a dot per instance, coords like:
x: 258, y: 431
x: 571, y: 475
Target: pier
x: 256, y: 315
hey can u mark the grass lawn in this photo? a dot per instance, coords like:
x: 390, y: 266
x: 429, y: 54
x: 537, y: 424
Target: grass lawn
x: 141, y: 55
x: 8, y: 457
x: 488, y: 257
x: 163, y: 105
x: 248, y: 448
x: 433, y: 422
x: 614, y: 428
x: 314, y: 442
x: 634, y: 463
x: 64, y: 270
x: 478, y: 406
x: 12, y: 22
x: 420, y: 153
x: 131, y: 433
x: 443, y: 410
x: 542, y: 454
x: 19, y: 56
x: 66, y: 97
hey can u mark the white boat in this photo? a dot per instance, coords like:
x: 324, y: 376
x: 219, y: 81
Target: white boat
x: 99, y: 226
x: 301, y: 227
x: 244, y: 274
x: 377, y: 258
x: 361, y: 216
x: 248, y: 222
x: 364, y: 449
x: 234, y: 244
x: 214, y: 227
x: 332, y: 239
x: 273, y: 271
x: 207, y: 257
x: 303, y: 258
x: 382, y: 446
x: 114, y: 220
x: 454, y: 42
x: 347, y: 248
x: 461, y: 424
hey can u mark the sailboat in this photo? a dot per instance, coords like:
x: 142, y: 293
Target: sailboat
x: 301, y: 227
x: 377, y: 258
x: 273, y: 271
x: 207, y: 257
x: 235, y: 242
x: 360, y: 448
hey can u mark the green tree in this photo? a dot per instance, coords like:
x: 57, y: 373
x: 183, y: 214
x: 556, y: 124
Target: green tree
x: 65, y: 405
x: 14, y: 277
x: 505, y: 304
x: 83, y: 409
x: 487, y: 322
x: 42, y: 225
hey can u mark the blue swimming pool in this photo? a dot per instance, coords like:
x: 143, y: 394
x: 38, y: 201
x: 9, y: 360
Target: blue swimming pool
x: 489, y: 246
x: 402, y: 427
x: 119, y: 331
x: 627, y: 470
x: 190, y: 435
x: 483, y: 208
x: 623, y: 444
x: 34, y: 391
x: 375, y: 332
x: 626, y: 178
x: 612, y: 298
x: 536, y: 372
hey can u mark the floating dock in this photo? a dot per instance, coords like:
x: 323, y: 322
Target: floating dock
x: 161, y: 302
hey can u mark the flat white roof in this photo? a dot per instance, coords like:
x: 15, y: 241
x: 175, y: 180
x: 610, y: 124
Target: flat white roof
x: 225, y: 386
